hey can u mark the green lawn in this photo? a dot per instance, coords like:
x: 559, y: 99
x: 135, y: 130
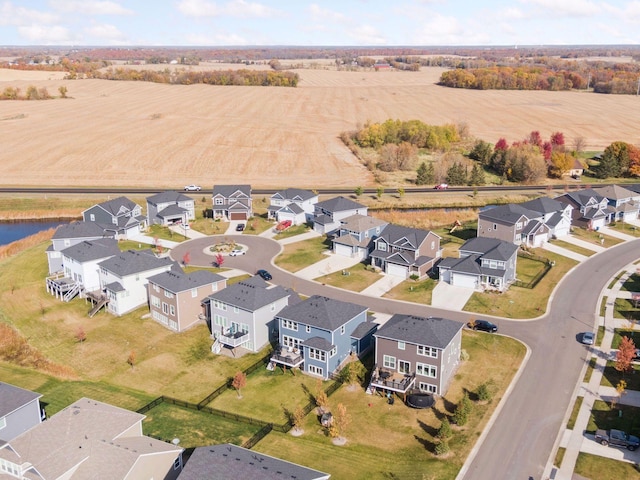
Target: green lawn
x: 164, y: 233
x: 209, y: 226
x: 559, y: 457
x: 574, y: 413
x: 358, y: 278
x: 258, y: 224
x: 603, y: 306
x: 632, y: 284
x: 594, y: 237
x: 528, y: 268
x: 618, y: 333
x: 604, y: 417
x: 292, y: 231
x: 625, y: 228
x: 613, y: 282
x: 573, y: 248
x: 626, y: 308
x: 416, y: 291
x: 600, y: 335
x: 296, y: 256
x: 590, y: 368
x: 125, y: 245
x: 611, y: 377
x: 601, y: 468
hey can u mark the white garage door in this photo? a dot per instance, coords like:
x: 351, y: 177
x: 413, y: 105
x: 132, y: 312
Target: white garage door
x: 397, y: 270
x: 597, y: 223
x: 445, y: 275
x: 343, y: 250
x: 460, y: 280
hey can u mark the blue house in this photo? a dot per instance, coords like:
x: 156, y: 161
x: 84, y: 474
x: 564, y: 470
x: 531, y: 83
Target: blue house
x: 319, y: 334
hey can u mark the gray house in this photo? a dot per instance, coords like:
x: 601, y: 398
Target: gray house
x: 242, y: 315
x: 327, y: 214
x: 119, y: 216
x: 71, y: 234
x: 19, y: 411
x: 319, y: 334
x: 625, y: 202
x: 232, y: 202
x: 356, y: 234
x: 416, y: 352
x: 169, y: 208
x: 483, y: 262
x: 230, y: 462
x: 590, y: 209
x: 293, y: 204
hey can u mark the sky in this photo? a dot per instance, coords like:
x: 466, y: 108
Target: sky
x: 323, y: 22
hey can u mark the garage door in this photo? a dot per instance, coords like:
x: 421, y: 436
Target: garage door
x: 343, y: 250
x: 237, y: 216
x: 597, y: 223
x: 397, y: 270
x: 460, y: 280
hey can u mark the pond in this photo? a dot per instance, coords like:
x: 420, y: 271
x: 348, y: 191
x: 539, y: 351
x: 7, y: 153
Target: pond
x: 12, y: 231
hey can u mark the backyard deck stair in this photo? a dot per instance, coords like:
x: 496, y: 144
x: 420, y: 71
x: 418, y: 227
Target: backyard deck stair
x: 72, y: 292
x: 215, y: 348
x: 96, y: 308
x: 271, y: 366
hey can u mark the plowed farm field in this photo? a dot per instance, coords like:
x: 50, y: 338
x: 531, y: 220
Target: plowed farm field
x: 112, y: 133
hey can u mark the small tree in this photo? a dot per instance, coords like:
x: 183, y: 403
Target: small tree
x: 297, y: 417
x: 239, y: 382
x: 484, y: 392
x: 626, y: 352
x: 442, y: 448
x: 444, y: 431
x: 219, y: 259
x: 353, y: 372
x: 341, y: 421
x: 359, y: 191
x: 322, y: 401
x: 63, y: 91
x: 425, y: 174
x: 186, y: 259
x: 131, y: 359
x: 81, y: 335
x: 463, y: 410
x: 379, y: 192
x: 401, y: 192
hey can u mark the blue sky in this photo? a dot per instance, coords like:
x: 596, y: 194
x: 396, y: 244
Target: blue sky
x: 323, y: 22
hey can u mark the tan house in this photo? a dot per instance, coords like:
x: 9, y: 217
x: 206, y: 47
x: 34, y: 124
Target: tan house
x: 86, y: 441
x: 175, y: 297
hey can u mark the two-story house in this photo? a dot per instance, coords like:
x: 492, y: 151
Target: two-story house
x: 318, y: 335
x: 19, y: 411
x: 590, y: 209
x: 124, y: 278
x: 68, y: 235
x: 483, y: 262
x: 89, y: 439
x: 294, y: 204
x: 356, y: 234
x: 169, y: 208
x: 232, y: 202
x: 242, y: 314
x: 405, y: 251
x: 555, y: 215
x: 119, y: 216
x: 328, y: 213
x: 625, y: 202
x: 175, y: 297
x: 416, y: 352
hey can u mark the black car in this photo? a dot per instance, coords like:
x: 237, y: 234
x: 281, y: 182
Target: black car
x: 484, y: 326
x: 264, y: 274
x: 240, y: 227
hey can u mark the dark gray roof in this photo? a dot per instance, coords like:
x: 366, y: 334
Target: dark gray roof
x: 491, y: 248
x: 319, y: 343
x: 79, y: 230
x: 251, y: 294
x: 228, y: 190
x: 470, y: 264
x: 12, y: 398
x: 179, y: 281
x: 406, y: 237
x: 431, y: 331
x: 92, y: 250
x: 635, y: 187
x: 554, y: 220
x: 363, y: 329
x: 166, y: 197
x: 230, y: 462
x: 615, y: 192
x: 171, y: 211
x: 543, y: 205
x: 114, y: 287
x: 322, y: 219
x: 132, y: 261
x: 339, y: 204
x: 582, y: 197
x: 508, y: 214
x: 294, y: 194
x: 533, y: 226
x: 114, y: 206
x: 322, y: 312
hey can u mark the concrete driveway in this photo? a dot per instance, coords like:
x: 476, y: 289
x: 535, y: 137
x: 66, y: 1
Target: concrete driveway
x: 333, y: 263
x: 564, y: 252
x: 582, y: 243
x: 450, y: 297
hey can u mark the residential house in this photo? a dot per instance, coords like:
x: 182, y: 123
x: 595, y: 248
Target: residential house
x: 319, y: 334
x: 590, y: 209
x: 89, y: 440
x: 170, y: 208
x: 624, y: 201
x: 19, y: 411
x: 124, y: 278
x: 232, y: 202
x: 119, y: 216
x: 293, y: 204
x: 577, y: 169
x: 405, y: 251
x: 175, y: 297
x: 231, y: 462
x: 416, y: 353
x: 356, y: 234
x: 328, y: 213
x: 483, y: 262
x: 68, y: 235
x: 242, y: 315
x: 555, y: 215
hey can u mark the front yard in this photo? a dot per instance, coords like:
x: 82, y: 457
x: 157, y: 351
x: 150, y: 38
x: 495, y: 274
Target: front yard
x: 622, y: 417
x: 356, y: 278
x: 416, y: 291
x: 594, y: 237
x: 626, y: 308
x: 298, y: 255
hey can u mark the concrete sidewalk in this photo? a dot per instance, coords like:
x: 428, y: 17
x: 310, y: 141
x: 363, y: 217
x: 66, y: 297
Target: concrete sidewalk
x: 582, y: 243
x: 152, y: 241
x: 614, y: 233
x: 564, y: 252
x: 189, y: 233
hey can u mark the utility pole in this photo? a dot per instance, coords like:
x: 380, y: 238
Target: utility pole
x: 638, y: 89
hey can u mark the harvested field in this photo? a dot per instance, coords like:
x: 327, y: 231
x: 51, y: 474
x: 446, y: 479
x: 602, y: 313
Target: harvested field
x: 152, y: 135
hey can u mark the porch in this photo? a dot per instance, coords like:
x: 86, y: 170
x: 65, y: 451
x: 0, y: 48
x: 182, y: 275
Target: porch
x: 391, y: 380
x: 64, y: 288
x: 288, y: 357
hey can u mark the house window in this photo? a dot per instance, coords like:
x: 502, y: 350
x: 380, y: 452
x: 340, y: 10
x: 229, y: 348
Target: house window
x: 315, y: 370
x: 9, y: 467
x: 382, y: 247
x: 427, y: 351
x: 194, y: 292
x: 292, y: 342
x: 404, y: 367
x: 290, y: 325
x: 315, y: 354
x: 389, y: 362
x: 220, y: 320
x: 433, y: 245
x: 236, y: 310
x: 173, y: 325
x: 308, y: 329
x: 156, y: 287
x: 219, y: 305
x: 401, y: 345
x: 167, y: 293
x: 333, y: 352
x: 518, y: 225
x: 427, y: 387
x: 493, y: 264
x: 342, y: 330
x: 155, y: 301
x: 426, y: 370
x: 219, y: 201
x: 165, y: 308
x: 177, y: 465
x: 495, y: 226
x: 214, y: 287
x: 172, y: 310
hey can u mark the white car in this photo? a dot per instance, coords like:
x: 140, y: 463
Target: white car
x: 236, y: 251
x: 192, y: 188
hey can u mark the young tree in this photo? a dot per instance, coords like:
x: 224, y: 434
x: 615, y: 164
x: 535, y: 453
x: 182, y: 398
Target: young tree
x: 501, y: 145
x: 131, y: 359
x: 579, y: 144
x: 219, y: 259
x: 442, y: 448
x: 535, y: 139
x: 463, y: 410
x: 186, y: 259
x: 457, y: 174
x: 379, y: 192
x: 358, y: 191
x: 341, y: 420
x: 444, y: 431
x: 484, y: 391
x: 557, y: 140
x: 297, y: 417
x: 322, y: 401
x: 81, y: 335
x: 634, y: 161
x: 353, y: 372
x: 239, y: 382
x: 626, y: 352
x: 401, y: 192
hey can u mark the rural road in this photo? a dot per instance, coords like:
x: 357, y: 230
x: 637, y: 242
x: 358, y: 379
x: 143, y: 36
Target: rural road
x: 521, y: 439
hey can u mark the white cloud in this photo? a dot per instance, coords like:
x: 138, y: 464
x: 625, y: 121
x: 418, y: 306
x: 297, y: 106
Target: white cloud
x: 234, y: 8
x: 322, y: 13
x: 447, y: 30
x: 366, y: 35
x: 512, y: 13
x: 46, y: 35
x: 13, y: 15
x: 568, y: 8
x: 90, y: 7
x: 103, y: 31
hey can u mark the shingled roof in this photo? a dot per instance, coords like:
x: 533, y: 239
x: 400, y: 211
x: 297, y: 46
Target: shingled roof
x: 430, y: 331
x: 175, y: 281
x: 134, y: 261
x: 250, y: 294
x: 322, y: 312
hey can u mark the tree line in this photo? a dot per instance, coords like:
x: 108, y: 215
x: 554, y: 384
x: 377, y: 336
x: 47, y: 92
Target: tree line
x: 32, y: 93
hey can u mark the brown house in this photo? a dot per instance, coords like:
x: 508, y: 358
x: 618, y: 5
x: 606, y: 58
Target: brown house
x: 416, y: 353
x: 175, y: 297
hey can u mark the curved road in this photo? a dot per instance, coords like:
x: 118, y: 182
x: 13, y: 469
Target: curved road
x: 519, y: 443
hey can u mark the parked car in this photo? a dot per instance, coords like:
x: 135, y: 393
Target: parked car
x: 237, y: 251
x: 240, y: 227
x: 636, y: 354
x: 283, y: 225
x: 617, y: 438
x: 587, y: 338
x: 192, y: 188
x: 483, y: 325
x: 264, y: 274
x: 441, y: 186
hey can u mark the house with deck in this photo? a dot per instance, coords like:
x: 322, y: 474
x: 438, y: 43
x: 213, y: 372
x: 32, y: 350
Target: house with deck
x: 120, y: 217
x: 405, y: 251
x: 20, y: 411
x: 243, y: 314
x: 70, y: 234
x: 175, y: 297
x: 294, y: 204
x: 356, y: 234
x: 414, y: 352
x: 319, y: 334
x: 89, y: 440
x: 170, y: 208
x: 328, y: 213
x: 232, y: 202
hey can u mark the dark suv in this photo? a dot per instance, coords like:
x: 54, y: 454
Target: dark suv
x: 264, y: 274
x: 617, y: 438
x: 483, y: 325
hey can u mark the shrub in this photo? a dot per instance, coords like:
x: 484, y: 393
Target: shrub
x: 484, y: 391
x: 463, y: 410
x: 442, y: 447
x: 444, y: 431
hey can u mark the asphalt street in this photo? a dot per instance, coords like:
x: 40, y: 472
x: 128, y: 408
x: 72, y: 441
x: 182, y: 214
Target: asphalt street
x: 521, y: 438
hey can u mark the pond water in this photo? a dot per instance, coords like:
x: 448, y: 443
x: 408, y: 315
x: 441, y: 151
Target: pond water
x: 10, y: 232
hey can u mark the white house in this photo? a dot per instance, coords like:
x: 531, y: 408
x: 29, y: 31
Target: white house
x: 293, y: 204
x: 328, y: 213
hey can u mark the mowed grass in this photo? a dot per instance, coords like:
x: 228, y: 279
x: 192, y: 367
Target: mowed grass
x: 596, y: 238
x: 388, y: 442
x: 165, y: 233
x: 602, y: 468
x: 298, y: 255
x: 626, y: 308
x: 604, y: 417
x: 416, y: 291
x: 573, y: 248
x: 520, y: 302
x: 528, y: 268
x: 625, y: 228
x: 258, y: 224
x: 632, y: 284
x: 611, y: 377
x: 358, y: 278
x: 292, y: 231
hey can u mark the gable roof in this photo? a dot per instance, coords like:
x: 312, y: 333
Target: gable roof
x: 544, y: 205
x: 78, y: 230
x: 430, y: 331
x: 361, y: 223
x: 339, y: 204
x: 615, y: 192
x: 117, y: 205
x: 230, y: 462
x: 168, y: 197
x: 322, y: 312
x: 490, y: 248
x: 406, y: 237
x: 171, y: 211
x: 509, y: 214
x: 250, y: 294
x: 294, y: 194
x: 92, y: 250
x: 134, y: 261
x: 585, y: 197
x: 178, y: 281
x: 229, y: 190
x: 12, y: 398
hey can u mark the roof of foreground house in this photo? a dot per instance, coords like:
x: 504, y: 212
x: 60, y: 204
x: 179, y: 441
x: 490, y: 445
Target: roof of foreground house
x: 78, y: 230
x: 322, y: 312
x: 406, y: 237
x: 544, y: 205
x: 508, y: 214
x: 490, y: 248
x: 228, y: 190
x: 115, y: 206
x: 250, y: 294
x: 12, y: 398
x: 178, y: 281
x: 134, y: 261
x: 430, y: 331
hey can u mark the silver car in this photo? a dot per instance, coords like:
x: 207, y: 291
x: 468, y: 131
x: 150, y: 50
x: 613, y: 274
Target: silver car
x: 587, y: 338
